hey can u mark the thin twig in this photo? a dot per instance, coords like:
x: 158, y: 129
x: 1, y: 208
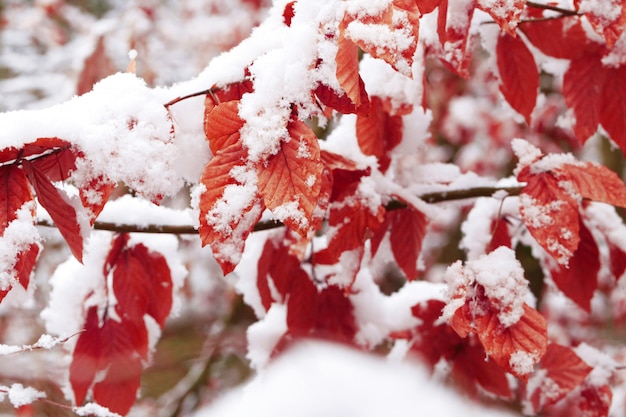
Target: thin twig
x: 565, y: 12
x: 433, y: 197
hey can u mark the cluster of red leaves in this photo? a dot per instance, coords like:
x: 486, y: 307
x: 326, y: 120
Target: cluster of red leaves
x: 36, y: 167
x: 113, y: 348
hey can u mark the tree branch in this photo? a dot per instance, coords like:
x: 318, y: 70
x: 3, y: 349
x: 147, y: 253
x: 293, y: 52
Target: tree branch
x: 431, y: 198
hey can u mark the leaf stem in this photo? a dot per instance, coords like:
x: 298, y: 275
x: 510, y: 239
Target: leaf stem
x: 431, y: 198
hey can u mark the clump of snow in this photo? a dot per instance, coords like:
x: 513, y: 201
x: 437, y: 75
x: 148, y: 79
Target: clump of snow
x: 523, y: 362
x: 265, y: 334
x: 502, y: 277
x: 93, y: 409
x: 526, y: 153
x: 603, y: 365
x: 320, y: 379
x: 16, y: 238
x: 20, y: 395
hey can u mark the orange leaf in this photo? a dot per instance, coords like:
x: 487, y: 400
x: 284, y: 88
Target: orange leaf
x: 229, y: 206
x: 519, y: 76
x: 222, y: 125
x: 515, y: 348
x: 595, y: 182
x: 408, y: 228
x: 348, y: 72
x: 290, y: 181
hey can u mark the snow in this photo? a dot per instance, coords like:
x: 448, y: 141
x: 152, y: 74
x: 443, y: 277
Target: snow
x: 93, y: 409
x: 20, y: 395
x: 502, y: 277
x: 264, y: 334
x: 319, y: 379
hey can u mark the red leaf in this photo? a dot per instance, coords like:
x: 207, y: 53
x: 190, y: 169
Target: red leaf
x: 500, y: 235
x: 14, y: 192
x: 515, y: 348
x: 58, y: 205
x: 226, y: 219
x: 352, y: 222
x: 596, y: 94
x: 435, y: 339
x: 519, y: 76
x: 341, y: 102
x: 222, y: 125
x: 408, y: 228
x: 379, y: 133
x: 97, y: 66
x: 290, y: 181
x: 118, y: 390
x: 563, y: 38
x: 618, y: 259
x: 507, y: 14
x: 427, y: 6
x: 25, y: 263
x: 564, y: 372
x: 469, y: 362
x: 114, y: 350
x: 58, y: 165
x: 288, y: 13
x: 142, y: 283
x: 471, y: 366
x: 579, y: 280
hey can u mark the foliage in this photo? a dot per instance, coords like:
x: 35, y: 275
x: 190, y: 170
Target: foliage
x: 324, y: 163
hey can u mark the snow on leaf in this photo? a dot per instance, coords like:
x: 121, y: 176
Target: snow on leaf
x: 608, y: 18
x: 391, y: 35
x: 486, y: 298
x: 379, y: 132
x: 58, y: 205
x: 550, y: 214
x: 229, y: 205
x: 579, y: 280
x: 95, y: 195
x: 562, y: 371
x: 453, y: 27
x: 290, y: 181
x: 519, y: 76
x: 506, y: 13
